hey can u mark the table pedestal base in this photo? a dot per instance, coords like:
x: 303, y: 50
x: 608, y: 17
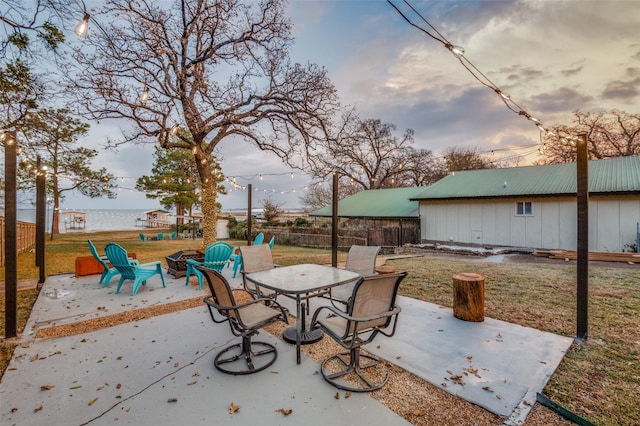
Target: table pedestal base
x: 306, y: 337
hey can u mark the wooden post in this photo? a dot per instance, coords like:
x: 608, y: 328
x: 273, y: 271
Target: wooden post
x: 468, y: 297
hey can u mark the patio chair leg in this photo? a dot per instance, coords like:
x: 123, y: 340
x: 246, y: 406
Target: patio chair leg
x: 248, y: 358
x: 353, y: 366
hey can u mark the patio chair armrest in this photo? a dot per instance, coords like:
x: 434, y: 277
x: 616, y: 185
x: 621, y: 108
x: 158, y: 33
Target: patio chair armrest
x: 194, y: 262
x: 154, y: 263
x: 273, y: 304
x: 396, y: 310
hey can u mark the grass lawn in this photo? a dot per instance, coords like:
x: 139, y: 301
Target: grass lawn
x: 598, y: 379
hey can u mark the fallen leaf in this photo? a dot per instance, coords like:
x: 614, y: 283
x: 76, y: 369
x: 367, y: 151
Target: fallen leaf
x: 47, y: 387
x: 487, y: 388
x: 458, y: 380
x: 172, y: 400
x: 176, y: 365
x: 347, y: 394
x: 233, y: 408
x: 586, y: 410
x: 283, y: 411
x: 275, y: 372
x: 75, y: 387
x: 118, y: 386
x: 35, y: 357
x: 93, y: 401
x: 14, y: 409
x: 39, y: 408
x: 192, y: 383
x: 337, y: 395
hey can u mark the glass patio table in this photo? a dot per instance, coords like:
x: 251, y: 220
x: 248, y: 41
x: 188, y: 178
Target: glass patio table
x: 301, y: 282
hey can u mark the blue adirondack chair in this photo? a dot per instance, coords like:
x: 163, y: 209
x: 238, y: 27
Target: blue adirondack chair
x: 160, y: 236
x: 237, y: 263
x: 108, y: 271
x: 173, y: 235
x: 143, y: 237
x: 131, y: 270
x: 215, y: 257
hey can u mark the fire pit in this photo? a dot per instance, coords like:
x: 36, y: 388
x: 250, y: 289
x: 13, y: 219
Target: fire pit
x: 177, y: 262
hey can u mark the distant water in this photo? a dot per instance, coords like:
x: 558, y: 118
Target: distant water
x: 96, y: 220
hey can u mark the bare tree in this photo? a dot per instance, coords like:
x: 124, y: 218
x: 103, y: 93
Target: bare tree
x: 368, y: 153
x: 319, y: 194
x: 271, y: 209
x: 219, y: 69
x: 463, y: 158
x: 612, y: 133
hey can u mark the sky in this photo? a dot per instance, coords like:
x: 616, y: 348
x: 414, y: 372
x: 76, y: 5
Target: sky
x: 551, y: 57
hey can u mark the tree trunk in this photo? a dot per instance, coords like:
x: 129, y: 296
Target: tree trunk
x: 468, y: 297
x: 209, y: 212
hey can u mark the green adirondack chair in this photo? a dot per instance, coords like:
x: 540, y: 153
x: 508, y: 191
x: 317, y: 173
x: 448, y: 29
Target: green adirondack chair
x: 215, y: 257
x: 138, y: 273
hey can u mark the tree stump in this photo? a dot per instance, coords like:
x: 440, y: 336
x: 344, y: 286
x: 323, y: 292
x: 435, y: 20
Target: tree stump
x: 468, y: 297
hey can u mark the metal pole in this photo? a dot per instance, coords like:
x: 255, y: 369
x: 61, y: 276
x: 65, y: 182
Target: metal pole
x: 582, y: 275
x: 249, y: 218
x: 334, y: 222
x: 10, y: 231
x: 40, y: 220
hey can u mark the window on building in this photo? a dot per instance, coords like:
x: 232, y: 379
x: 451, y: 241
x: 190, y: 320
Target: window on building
x: 524, y: 208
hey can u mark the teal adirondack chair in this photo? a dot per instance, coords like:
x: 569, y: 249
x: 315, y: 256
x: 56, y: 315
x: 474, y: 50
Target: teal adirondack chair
x: 143, y: 237
x: 160, y: 236
x: 172, y: 236
x: 215, y: 257
x: 108, y: 271
x: 132, y: 270
x: 237, y: 263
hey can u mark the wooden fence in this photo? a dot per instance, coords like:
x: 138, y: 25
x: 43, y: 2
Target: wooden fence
x: 26, y: 237
x: 283, y: 236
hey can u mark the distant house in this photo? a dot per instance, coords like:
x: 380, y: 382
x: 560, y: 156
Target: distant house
x: 387, y: 216
x: 534, y: 206
x: 155, y: 219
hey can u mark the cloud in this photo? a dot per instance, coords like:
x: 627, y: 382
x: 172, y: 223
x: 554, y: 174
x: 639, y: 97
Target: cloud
x: 563, y: 99
x: 623, y: 90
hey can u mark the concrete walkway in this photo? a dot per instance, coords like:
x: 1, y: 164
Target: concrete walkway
x: 160, y: 370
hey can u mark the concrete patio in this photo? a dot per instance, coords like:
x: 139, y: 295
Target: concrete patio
x: 160, y: 370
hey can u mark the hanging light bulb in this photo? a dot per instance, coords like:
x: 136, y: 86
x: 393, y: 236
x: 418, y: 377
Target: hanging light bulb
x: 82, y: 28
x: 504, y: 96
x: 144, y: 96
x: 456, y: 50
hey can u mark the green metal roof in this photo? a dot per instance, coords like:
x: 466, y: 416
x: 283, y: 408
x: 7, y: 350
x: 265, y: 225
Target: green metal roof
x: 377, y: 203
x: 612, y: 175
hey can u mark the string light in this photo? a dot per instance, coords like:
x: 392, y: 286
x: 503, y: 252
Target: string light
x: 459, y: 53
x: 145, y: 95
x: 82, y: 28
